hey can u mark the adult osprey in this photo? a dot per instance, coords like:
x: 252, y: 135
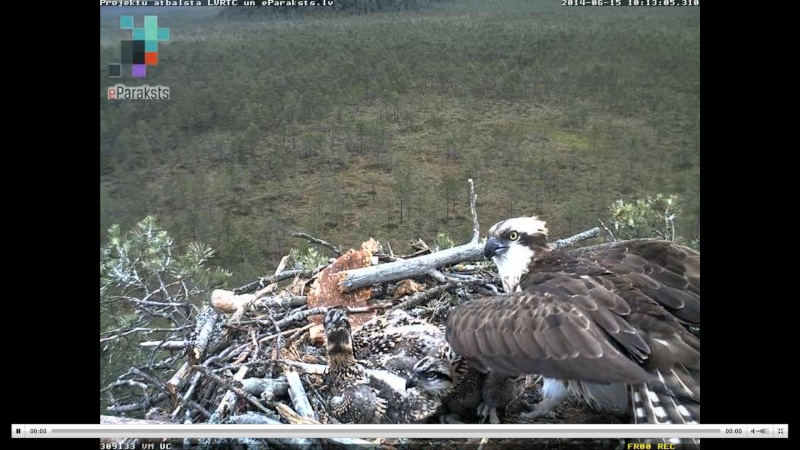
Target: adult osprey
x: 615, y: 323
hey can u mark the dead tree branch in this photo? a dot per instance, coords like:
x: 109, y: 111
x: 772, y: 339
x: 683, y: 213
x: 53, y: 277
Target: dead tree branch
x: 252, y: 418
x: 415, y: 267
x: 473, y: 198
x: 301, y: 315
x: 238, y: 391
x: 409, y: 268
x: 299, y: 396
x: 166, y: 345
x: 413, y: 300
x: 230, y: 302
x: 263, y: 282
x: 588, y: 234
x: 324, y: 243
x: 207, y: 330
x: 274, y: 387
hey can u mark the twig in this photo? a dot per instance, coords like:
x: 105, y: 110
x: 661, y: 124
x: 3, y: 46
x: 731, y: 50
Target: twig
x: 166, y: 345
x: 271, y: 287
x: 368, y: 309
x: 251, y: 418
x: 462, y: 277
x: 189, y: 392
x: 230, y: 397
x: 317, y: 402
x: 476, y: 231
x: 313, y: 240
x: 318, y: 369
x: 285, y: 332
x: 265, y: 281
x: 276, y: 346
x: 298, y: 395
x: 436, y: 275
x: 301, y: 315
x: 275, y: 386
x: 292, y: 417
x: 144, y: 330
x: 188, y: 404
x: 238, y: 391
x: 285, y: 302
x: 410, y: 301
x: 607, y: 230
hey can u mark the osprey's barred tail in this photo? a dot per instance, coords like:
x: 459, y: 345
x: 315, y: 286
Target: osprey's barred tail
x: 673, y: 398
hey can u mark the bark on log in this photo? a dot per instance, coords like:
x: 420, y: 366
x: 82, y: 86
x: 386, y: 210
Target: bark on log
x: 207, y: 326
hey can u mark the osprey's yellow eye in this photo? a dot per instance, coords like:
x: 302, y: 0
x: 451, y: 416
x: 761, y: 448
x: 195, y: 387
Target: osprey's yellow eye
x: 513, y: 236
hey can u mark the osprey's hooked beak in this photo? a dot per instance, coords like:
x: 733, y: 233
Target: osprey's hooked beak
x: 411, y: 382
x: 494, y: 247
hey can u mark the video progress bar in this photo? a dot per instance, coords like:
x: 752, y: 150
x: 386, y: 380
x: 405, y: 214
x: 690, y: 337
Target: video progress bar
x: 432, y: 431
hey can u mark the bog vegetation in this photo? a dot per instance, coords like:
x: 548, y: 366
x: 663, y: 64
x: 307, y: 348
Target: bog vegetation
x: 365, y: 121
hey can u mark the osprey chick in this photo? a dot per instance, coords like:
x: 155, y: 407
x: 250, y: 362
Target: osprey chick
x: 363, y: 395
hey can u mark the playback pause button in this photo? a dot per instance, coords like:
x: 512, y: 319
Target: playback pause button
x: 17, y: 431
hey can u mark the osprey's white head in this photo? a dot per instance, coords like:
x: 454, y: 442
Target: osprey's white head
x: 512, y: 244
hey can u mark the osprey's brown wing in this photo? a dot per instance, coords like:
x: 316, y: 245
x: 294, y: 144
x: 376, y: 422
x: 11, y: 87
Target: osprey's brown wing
x: 662, y: 270
x: 565, y: 325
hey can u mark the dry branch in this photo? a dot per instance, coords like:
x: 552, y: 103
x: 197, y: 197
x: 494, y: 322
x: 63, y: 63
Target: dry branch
x: 207, y: 327
x: 115, y: 420
x: 415, y: 267
x: 274, y: 387
x: 129, y: 442
x: 285, y: 332
x: 230, y: 302
x: 301, y: 315
x: 410, y: 268
x: 413, y: 300
x: 263, y: 282
x: 319, y: 369
x: 178, y: 379
x: 299, y: 396
x: 566, y: 242
x: 238, y: 391
x: 252, y: 418
x: 166, y: 345
x: 473, y: 198
x: 313, y: 240
x: 292, y: 417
